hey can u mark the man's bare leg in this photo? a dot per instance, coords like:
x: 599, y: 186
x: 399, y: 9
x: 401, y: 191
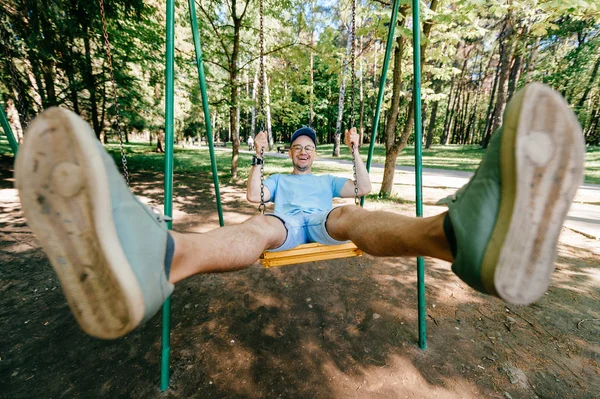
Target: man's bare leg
x: 504, y: 224
x: 383, y: 233
x: 112, y: 253
x: 225, y: 249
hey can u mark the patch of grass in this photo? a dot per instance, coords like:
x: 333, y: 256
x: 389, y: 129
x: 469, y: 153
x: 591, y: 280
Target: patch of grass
x: 4, y: 146
x: 392, y: 199
x: 452, y: 157
x: 592, y: 165
x: 191, y: 161
x: 141, y: 157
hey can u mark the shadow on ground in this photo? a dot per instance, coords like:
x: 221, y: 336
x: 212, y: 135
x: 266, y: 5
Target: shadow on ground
x: 336, y: 329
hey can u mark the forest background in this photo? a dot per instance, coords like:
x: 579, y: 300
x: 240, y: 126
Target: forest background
x: 475, y: 55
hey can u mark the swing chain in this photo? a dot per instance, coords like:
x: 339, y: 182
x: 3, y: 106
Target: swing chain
x: 262, y: 207
x: 352, y: 63
x: 114, y: 85
x: 261, y: 91
x: 261, y: 78
x: 356, y: 198
x: 352, y: 84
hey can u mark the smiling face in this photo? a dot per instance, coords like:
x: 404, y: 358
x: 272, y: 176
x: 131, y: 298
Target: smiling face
x: 301, y: 158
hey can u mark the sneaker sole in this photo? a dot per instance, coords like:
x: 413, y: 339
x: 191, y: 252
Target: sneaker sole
x: 65, y: 197
x: 542, y: 168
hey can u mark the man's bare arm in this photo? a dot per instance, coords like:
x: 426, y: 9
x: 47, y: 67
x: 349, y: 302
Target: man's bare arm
x: 362, y: 176
x: 253, y: 186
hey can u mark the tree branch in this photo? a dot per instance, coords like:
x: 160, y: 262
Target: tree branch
x: 385, y: 3
x: 225, y: 49
x: 216, y: 63
x: 269, y: 52
x: 245, y: 9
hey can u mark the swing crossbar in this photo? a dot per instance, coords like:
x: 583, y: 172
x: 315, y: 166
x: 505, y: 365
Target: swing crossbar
x: 309, y: 253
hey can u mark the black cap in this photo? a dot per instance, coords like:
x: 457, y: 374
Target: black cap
x: 305, y: 131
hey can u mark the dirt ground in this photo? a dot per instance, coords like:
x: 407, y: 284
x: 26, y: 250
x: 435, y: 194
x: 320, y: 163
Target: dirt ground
x: 336, y: 329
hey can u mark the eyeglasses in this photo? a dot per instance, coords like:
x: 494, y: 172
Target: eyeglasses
x: 298, y: 148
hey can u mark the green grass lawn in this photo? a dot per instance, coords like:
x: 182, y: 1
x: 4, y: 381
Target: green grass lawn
x: 140, y: 157
x: 452, y: 157
x: 592, y: 165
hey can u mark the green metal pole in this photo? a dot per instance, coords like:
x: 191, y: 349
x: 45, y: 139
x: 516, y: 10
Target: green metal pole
x: 209, y: 133
x: 8, y: 132
x: 382, y: 80
x: 169, y: 121
x: 419, y: 165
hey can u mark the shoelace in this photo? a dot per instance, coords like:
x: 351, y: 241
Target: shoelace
x: 464, y: 188
x: 156, y: 212
x: 160, y: 217
x: 458, y: 193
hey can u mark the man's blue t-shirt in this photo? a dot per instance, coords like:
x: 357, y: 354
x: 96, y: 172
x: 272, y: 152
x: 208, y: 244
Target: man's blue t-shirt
x: 293, y: 194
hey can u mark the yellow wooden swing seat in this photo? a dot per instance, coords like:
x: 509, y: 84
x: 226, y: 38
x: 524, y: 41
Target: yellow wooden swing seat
x: 309, y: 253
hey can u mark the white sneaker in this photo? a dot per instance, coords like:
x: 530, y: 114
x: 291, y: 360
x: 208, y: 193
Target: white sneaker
x: 107, y: 248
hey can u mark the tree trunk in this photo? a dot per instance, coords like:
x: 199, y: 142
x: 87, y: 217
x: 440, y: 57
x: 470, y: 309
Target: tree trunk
x: 48, y: 62
x: 408, y: 126
x: 445, y: 132
x: 391, y: 147
x: 91, y: 83
x: 268, y: 108
x: 487, y: 131
x: 254, y: 92
x: 387, y: 183
x: 532, y: 58
x: 462, y: 132
x: 361, y: 129
x: 338, y: 124
x: 214, y: 127
x: 14, y: 120
x: 513, y: 78
x: 36, y: 73
x: 454, y: 112
x: 592, y: 132
x: 506, y: 44
x: 72, y: 87
x: 233, y: 81
x: 473, y: 115
x: 431, y: 126
x: 589, y: 86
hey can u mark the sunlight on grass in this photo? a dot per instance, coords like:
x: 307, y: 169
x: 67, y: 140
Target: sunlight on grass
x: 452, y: 157
x: 141, y: 157
x: 592, y: 165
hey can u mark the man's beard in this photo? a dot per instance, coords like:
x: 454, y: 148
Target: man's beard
x: 302, y: 168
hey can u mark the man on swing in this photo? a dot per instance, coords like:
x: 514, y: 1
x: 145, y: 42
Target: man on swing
x: 303, y: 201
x: 117, y: 261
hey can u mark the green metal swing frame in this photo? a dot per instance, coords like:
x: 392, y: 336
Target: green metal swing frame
x: 169, y: 140
x: 169, y: 136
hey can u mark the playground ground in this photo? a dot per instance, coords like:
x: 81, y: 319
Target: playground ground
x: 336, y: 329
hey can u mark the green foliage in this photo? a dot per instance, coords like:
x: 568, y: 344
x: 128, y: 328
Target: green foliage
x: 53, y: 54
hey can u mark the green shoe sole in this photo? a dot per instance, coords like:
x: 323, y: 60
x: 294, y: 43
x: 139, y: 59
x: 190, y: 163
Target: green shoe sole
x: 541, y: 159
x: 65, y: 197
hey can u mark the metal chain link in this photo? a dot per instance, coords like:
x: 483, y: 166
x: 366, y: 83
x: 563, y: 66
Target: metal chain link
x: 352, y: 90
x: 261, y: 106
x: 356, y: 198
x: 114, y: 85
x: 353, y: 63
x: 261, y: 78
x: 262, y: 207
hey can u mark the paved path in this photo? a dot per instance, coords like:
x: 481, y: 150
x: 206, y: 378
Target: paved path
x: 583, y: 217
